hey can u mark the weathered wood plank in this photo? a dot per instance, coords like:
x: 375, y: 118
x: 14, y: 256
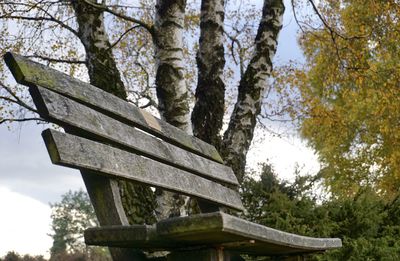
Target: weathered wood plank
x: 213, y: 229
x: 138, y: 236
x: 31, y: 73
x: 71, y: 114
x: 254, y: 238
x: 76, y: 152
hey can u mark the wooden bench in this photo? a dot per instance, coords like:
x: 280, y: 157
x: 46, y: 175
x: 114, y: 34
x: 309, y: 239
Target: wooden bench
x: 107, y: 139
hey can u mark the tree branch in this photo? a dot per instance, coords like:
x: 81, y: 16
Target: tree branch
x: 122, y: 36
x: 330, y: 28
x: 3, y: 120
x: 295, y: 16
x: 240, y: 52
x: 104, y: 8
x: 41, y: 18
x: 17, y: 99
x: 208, y: 111
x: 49, y: 59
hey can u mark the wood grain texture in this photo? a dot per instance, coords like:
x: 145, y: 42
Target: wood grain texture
x: 105, y: 197
x: 185, y: 228
x: 76, y: 152
x: 138, y: 236
x: 31, y: 73
x: 70, y: 114
x: 213, y: 229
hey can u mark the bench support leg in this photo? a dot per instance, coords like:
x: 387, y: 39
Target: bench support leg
x: 104, y: 195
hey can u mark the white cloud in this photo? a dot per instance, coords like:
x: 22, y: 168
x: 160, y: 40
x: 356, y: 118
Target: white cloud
x: 284, y: 153
x: 28, y: 182
x: 24, y: 224
x: 26, y: 167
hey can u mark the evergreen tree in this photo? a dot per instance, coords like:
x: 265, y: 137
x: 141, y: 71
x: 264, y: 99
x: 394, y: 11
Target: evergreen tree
x: 368, y: 225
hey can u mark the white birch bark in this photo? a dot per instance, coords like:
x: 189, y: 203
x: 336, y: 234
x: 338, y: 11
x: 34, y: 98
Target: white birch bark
x: 172, y: 92
x: 252, y: 86
x: 208, y: 111
x: 103, y: 71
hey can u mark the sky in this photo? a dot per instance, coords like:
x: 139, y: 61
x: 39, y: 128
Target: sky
x: 29, y: 182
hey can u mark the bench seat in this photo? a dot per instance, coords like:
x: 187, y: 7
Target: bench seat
x: 216, y: 229
x: 108, y: 140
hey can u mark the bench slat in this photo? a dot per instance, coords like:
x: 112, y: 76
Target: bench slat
x: 68, y: 113
x: 76, y: 152
x: 31, y: 73
x: 212, y: 229
x: 240, y: 230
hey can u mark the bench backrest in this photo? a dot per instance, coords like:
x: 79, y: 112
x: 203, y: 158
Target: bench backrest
x: 108, y: 138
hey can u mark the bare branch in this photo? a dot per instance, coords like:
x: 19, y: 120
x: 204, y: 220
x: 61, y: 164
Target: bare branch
x: 130, y: 7
x: 3, y: 120
x: 40, y: 19
x: 144, y: 93
x: 122, y: 36
x: 295, y: 17
x: 16, y: 99
x: 62, y: 24
x: 240, y: 52
x: 104, y: 8
x: 49, y: 59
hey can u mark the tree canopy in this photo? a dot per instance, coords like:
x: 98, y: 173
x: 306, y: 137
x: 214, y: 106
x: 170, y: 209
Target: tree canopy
x: 348, y: 103
x: 70, y: 217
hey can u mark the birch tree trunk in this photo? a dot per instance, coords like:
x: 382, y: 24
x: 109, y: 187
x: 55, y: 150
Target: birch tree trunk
x: 172, y: 92
x: 208, y: 111
x: 138, y: 201
x: 103, y: 71
x: 252, y: 86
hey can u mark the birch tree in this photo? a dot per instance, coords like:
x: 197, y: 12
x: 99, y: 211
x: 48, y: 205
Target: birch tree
x: 142, y: 51
x: 252, y: 86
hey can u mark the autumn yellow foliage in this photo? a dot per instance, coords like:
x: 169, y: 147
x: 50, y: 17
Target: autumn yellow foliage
x: 349, y: 89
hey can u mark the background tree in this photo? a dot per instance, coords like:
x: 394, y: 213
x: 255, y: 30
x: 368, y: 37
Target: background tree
x: 348, y: 95
x: 70, y: 217
x: 367, y: 224
x: 12, y: 256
